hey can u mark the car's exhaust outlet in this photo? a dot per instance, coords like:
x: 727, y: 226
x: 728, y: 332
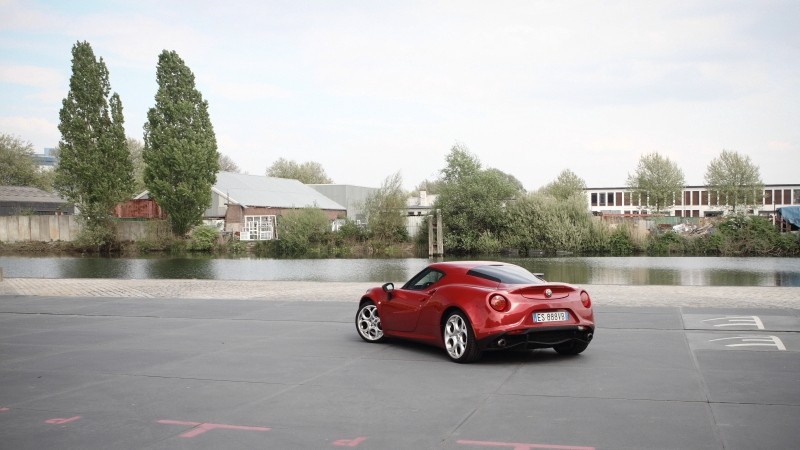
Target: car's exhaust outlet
x: 501, y: 343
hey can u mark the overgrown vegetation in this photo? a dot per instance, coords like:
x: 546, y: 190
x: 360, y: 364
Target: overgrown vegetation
x: 736, y: 235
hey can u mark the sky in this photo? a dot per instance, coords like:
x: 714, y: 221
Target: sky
x: 369, y: 88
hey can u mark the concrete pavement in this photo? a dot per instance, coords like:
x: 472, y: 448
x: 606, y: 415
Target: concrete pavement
x: 281, y: 369
x: 620, y: 295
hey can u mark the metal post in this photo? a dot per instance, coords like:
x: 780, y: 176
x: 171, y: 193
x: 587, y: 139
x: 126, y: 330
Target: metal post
x: 430, y: 236
x: 439, y: 234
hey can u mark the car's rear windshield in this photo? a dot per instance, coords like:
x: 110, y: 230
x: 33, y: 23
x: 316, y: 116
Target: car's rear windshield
x: 505, y: 274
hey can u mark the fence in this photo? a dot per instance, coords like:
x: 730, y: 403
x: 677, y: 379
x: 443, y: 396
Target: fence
x: 59, y: 228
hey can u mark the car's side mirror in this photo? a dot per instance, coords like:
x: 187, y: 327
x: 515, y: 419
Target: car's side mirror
x: 388, y: 288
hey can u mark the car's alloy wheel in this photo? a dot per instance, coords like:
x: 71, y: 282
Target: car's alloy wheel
x: 459, y: 340
x: 368, y: 323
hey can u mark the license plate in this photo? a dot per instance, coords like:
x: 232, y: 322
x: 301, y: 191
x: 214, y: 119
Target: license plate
x: 555, y: 316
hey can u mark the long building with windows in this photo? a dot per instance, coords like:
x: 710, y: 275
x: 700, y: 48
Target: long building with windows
x: 695, y: 201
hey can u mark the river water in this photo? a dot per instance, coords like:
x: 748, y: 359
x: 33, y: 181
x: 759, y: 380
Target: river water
x: 684, y: 271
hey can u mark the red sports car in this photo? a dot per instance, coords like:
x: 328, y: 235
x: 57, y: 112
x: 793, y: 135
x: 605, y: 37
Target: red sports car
x: 471, y: 307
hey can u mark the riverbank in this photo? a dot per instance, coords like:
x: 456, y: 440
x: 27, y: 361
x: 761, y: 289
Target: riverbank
x: 602, y: 295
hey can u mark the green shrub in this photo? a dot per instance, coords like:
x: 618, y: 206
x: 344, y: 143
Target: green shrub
x: 300, y: 232
x: 351, y: 232
x: 96, y: 237
x: 488, y: 244
x: 203, y: 238
x: 620, y: 242
x: 669, y: 243
x: 235, y: 246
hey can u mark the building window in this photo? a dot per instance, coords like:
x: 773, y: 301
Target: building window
x: 768, y: 197
x: 687, y: 198
x: 594, y: 198
x: 695, y: 198
x: 704, y: 197
x: 619, y: 199
x: 602, y: 199
x: 796, y: 200
x: 713, y: 200
x: 627, y: 200
x: 787, y: 196
x: 258, y: 228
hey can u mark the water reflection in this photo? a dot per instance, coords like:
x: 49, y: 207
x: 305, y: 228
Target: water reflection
x: 78, y: 267
x: 201, y: 268
x: 690, y: 271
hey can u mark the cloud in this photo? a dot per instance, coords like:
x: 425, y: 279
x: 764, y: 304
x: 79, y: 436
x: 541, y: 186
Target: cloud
x: 33, y: 129
x: 46, y: 83
x: 243, y: 91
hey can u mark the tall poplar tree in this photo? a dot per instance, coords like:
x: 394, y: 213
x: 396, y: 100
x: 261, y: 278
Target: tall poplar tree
x: 180, y: 148
x: 94, y: 170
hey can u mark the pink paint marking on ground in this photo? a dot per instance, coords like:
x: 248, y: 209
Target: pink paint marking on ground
x: 522, y: 446
x: 349, y: 442
x: 59, y: 421
x: 200, y: 428
x: 3, y: 409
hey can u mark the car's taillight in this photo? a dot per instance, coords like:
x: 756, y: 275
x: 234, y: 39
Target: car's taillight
x: 498, y: 302
x: 587, y: 302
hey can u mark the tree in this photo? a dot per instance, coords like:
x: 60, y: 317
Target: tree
x: 461, y: 164
x: 18, y: 166
x: 307, y: 173
x: 658, y: 179
x: 567, y: 184
x: 430, y: 187
x: 735, y: 178
x: 386, y: 214
x: 226, y: 164
x: 180, y: 147
x: 473, y: 201
x: 135, y: 148
x: 94, y: 170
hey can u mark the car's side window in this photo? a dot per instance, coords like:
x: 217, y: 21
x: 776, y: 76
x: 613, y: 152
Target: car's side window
x: 424, y: 280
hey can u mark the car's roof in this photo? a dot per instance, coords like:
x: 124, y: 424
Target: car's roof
x: 466, y: 265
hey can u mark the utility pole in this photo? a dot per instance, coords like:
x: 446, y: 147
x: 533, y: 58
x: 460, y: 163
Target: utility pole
x: 435, y: 235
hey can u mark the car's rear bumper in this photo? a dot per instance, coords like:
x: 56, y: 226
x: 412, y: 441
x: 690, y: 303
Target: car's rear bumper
x: 537, y: 337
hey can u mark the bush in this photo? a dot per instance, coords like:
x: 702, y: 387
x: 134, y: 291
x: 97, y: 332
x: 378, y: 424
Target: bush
x: 488, y: 244
x: 203, y: 238
x: 620, y: 242
x: 752, y: 235
x: 302, y: 232
x: 352, y: 232
x: 98, y: 237
x: 541, y: 222
x: 669, y: 243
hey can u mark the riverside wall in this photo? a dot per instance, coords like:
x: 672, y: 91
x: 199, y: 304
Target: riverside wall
x: 49, y: 228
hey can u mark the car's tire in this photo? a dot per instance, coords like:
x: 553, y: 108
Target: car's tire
x: 368, y: 323
x: 459, y: 340
x: 571, y: 347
